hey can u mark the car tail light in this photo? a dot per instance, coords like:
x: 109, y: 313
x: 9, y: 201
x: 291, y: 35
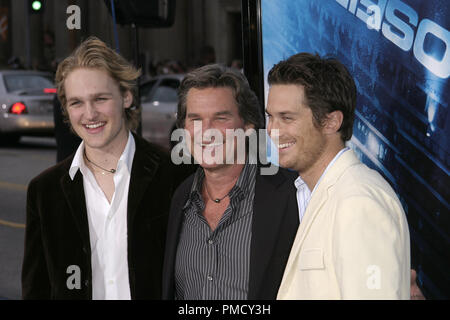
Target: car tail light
x: 18, y: 108
x: 50, y: 90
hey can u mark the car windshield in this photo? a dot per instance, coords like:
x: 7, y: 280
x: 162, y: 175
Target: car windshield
x: 165, y: 91
x: 165, y: 94
x: 15, y: 82
x: 146, y: 89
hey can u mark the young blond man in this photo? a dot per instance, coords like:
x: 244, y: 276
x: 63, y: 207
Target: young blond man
x: 96, y: 221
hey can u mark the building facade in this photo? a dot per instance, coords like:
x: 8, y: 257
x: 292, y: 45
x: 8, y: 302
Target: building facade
x: 40, y: 40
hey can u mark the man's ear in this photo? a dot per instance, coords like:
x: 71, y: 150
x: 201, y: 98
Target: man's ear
x: 127, y: 99
x: 333, y: 122
x: 249, y: 126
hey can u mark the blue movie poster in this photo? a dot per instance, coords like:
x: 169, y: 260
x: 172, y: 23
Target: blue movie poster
x: 399, y: 54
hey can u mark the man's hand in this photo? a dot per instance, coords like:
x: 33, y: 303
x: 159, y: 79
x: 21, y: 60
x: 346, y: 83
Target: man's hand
x: 416, y: 294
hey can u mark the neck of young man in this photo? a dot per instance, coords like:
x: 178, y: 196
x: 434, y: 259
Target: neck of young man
x: 108, y: 156
x: 312, y: 175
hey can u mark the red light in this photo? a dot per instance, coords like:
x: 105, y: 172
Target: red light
x: 50, y: 90
x: 18, y: 108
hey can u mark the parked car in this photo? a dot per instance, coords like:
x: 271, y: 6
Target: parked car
x: 159, y: 99
x: 26, y: 106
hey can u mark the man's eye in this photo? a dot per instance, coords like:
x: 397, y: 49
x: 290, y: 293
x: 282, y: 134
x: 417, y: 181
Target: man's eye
x: 74, y: 103
x: 286, y: 118
x: 100, y: 99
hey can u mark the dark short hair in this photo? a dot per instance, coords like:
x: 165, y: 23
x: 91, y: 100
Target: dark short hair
x: 217, y: 76
x: 328, y: 86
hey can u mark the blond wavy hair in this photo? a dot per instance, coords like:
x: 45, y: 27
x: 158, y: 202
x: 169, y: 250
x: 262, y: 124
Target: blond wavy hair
x: 95, y: 54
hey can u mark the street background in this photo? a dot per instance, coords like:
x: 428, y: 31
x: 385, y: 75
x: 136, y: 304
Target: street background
x: 204, y: 31
x: 19, y: 164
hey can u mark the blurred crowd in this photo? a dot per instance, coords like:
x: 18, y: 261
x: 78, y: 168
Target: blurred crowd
x: 153, y: 68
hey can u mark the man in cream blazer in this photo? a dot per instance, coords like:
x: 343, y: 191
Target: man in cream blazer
x: 353, y: 239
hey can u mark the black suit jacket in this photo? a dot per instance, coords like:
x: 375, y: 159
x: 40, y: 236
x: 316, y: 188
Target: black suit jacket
x: 274, y: 225
x: 57, y: 231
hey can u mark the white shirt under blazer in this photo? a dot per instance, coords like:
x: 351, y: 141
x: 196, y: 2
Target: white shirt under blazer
x: 108, y: 226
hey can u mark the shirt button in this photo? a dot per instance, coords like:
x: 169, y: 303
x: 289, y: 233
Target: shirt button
x: 210, y: 241
x: 210, y: 278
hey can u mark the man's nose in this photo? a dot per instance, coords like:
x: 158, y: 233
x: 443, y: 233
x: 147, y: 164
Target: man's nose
x: 200, y: 127
x: 270, y: 126
x: 273, y: 129
x: 206, y: 124
x: 91, y: 111
x: 208, y: 130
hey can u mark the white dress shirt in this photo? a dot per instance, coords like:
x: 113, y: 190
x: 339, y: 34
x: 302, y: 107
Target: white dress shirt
x: 108, y: 226
x: 303, y: 192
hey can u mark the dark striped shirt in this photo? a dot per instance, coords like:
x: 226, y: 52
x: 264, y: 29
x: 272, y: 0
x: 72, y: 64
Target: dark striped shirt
x: 214, y: 265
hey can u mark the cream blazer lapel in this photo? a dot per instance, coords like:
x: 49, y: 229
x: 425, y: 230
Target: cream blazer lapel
x: 318, y: 199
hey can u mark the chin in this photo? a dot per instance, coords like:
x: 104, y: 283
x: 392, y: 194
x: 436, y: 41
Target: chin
x: 210, y: 167
x: 282, y: 160
x: 286, y: 163
x: 283, y: 164
x: 214, y: 165
x: 94, y: 145
x: 95, y: 142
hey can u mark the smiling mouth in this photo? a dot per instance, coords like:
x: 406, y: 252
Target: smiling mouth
x: 94, y: 125
x: 282, y: 146
x: 211, y: 145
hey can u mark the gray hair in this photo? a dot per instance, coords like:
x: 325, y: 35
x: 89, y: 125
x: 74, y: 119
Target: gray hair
x: 217, y: 76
